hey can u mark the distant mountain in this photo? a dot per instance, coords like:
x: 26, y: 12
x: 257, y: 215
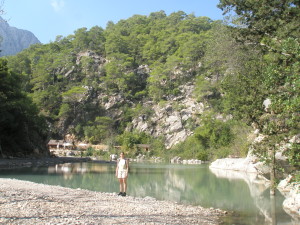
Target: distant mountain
x: 14, y: 40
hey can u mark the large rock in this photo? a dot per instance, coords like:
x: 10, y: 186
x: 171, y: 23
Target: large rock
x: 98, y: 60
x: 170, y: 119
x: 236, y: 164
x: 291, y: 191
x: 113, y: 101
x: 251, y: 163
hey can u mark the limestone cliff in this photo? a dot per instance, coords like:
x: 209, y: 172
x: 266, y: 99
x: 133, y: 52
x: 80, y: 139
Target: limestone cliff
x: 14, y: 40
x: 173, y: 118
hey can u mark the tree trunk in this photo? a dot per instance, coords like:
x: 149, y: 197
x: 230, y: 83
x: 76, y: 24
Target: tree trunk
x: 272, y: 172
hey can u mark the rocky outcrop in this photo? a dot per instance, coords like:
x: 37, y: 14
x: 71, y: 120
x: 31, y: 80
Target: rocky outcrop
x: 236, y: 164
x: 170, y: 119
x: 99, y: 60
x: 178, y: 160
x: 14, y: 40
x: 251, y: 163
x: 292, y: 193
x: 174, y: 119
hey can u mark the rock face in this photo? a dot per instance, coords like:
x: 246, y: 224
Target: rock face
x: 173, y: 119
x: 236, y: 164
x: 170, y: 119
x: 14, y: 40
x: 292, y: 202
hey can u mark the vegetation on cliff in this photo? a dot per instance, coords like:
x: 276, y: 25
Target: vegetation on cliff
x: 75, y: 79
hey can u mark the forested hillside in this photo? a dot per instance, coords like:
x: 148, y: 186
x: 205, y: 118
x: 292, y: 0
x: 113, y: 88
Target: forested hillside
x: 201, y: 86
x: 95, y: 82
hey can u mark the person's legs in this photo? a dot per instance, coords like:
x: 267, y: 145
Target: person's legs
x: 124, y: 185
x: 121, y: 184
x: 124, y: 182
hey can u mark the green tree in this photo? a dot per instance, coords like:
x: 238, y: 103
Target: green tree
x: 74, y: 96
x: 81, y: 40
x: 21, y: 128
x: 99, y: 130
x: 276, y: 35
x: 97, y: 40
x: 281, y: 22
x: 129, y: 140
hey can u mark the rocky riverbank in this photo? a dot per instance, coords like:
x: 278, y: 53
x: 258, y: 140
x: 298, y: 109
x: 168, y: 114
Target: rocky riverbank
x: 24, y: 202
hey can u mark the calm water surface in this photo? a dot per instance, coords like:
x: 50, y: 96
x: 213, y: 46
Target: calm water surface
x: 185, y: 184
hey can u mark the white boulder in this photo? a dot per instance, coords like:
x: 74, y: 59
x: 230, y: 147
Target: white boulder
x: 292, y: 193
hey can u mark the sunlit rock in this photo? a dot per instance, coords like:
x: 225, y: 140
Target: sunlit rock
x: 295, y: 139
x: 169, y: 118
x: 267, y: 102
x: 236, y: 164
x: 292, y: 193
x: 176, y: 159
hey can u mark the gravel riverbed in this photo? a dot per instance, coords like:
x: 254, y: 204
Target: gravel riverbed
x: 24, y: 202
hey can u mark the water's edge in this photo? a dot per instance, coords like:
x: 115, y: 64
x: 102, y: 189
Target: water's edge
x: 179, y: 184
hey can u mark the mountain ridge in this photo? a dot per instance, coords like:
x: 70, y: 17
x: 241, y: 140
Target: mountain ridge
x: 14, y: 40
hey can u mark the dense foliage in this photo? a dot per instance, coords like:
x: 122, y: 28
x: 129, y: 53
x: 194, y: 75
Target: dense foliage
x: 22, y: 131
x: 64, y: 77
x: 272, y: 28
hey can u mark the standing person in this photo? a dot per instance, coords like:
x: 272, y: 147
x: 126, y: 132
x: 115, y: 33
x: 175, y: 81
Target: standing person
x: 122, y: 173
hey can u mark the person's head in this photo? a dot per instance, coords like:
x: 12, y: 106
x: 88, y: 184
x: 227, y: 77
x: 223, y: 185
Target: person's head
x: 122, y: 155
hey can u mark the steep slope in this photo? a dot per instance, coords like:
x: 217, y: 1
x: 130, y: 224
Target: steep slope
x: 97, y: 83
x: 14, y: 40
x: 173, y: 118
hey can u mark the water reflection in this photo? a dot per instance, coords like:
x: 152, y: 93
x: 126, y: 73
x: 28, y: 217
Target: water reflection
x: 269, y: 206
x: 68, y: 170
x: 273, y: 210
x: 186, y: 184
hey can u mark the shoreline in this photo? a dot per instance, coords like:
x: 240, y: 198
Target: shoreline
x: 46, y: 161
x: 25, y: 202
